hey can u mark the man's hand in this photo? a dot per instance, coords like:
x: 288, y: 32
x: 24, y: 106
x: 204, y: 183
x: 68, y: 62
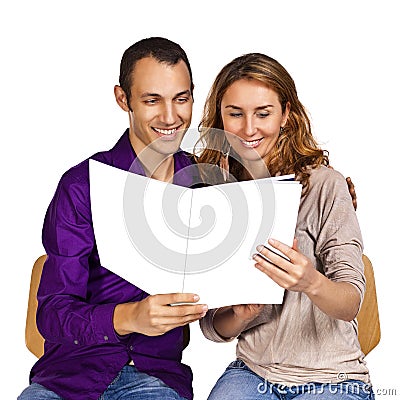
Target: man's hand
x: 155, y: 315
x: 352, y: 191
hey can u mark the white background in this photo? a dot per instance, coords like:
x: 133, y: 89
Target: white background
x: 60, y: 60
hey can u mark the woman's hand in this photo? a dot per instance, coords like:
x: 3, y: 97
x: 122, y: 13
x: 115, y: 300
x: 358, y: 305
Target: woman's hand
x: 247, y: 312
x: 230, y: 321
x: 339, y: 300
x: 296, y: 274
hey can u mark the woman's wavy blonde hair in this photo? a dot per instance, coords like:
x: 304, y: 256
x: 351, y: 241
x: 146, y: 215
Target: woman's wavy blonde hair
x: 295, y: 150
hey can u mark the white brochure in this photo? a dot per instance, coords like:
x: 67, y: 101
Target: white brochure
x: 166, y: 238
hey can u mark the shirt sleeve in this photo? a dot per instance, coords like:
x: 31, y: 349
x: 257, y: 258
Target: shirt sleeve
x: 339, y: 244
x: 65, y: 314
x: 207, y: 327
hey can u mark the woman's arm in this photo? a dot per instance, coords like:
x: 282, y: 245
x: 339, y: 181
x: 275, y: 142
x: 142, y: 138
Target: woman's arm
x: 230, y: 321
x: 339, y: 300
x: 337, y: 285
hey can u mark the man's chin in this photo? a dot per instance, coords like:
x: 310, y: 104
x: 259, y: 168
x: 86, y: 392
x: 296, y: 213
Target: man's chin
x: 166, y: 148
x: 167, y: 145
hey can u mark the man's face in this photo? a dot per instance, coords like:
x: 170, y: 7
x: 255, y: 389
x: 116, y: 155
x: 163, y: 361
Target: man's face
x: 161, y: 104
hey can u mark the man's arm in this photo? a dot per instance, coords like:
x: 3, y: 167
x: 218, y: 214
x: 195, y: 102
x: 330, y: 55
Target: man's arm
x: 65, y: 315
x: 155, y: 316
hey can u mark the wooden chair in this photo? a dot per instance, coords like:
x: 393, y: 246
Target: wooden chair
x: 369, y: 332
x: 33, y: 339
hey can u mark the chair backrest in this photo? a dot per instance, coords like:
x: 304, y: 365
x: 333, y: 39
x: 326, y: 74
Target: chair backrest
x: 369, y: 331
x: 33, y: 339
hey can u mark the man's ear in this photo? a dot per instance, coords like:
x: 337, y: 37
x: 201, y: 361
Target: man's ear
x: 120, y: 97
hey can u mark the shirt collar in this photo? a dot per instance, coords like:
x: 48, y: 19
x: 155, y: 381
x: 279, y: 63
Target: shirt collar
x: 124, y: 157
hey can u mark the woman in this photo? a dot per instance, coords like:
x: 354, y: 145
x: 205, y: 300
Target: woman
x: 254, y: 125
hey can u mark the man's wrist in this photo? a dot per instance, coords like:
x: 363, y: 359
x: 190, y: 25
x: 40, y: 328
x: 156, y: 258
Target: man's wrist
x: 122, y: 320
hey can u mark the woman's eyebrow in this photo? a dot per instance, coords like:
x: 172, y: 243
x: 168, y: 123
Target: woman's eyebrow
x: 257, y: 108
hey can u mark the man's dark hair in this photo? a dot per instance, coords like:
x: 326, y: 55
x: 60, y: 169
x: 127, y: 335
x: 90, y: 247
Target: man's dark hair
x: 163, y: 50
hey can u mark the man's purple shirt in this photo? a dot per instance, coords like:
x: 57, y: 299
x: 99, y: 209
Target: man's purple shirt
x: 77, y: 297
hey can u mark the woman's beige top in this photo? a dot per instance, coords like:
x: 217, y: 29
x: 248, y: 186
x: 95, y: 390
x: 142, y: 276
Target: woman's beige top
x: 295, y: 342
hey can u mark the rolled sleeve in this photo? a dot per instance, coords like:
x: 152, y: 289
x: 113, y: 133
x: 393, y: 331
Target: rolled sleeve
x: 207, y: 327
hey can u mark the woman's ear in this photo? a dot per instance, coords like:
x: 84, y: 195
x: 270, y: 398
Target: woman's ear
x: 285, y: 114
x: 120, y: 98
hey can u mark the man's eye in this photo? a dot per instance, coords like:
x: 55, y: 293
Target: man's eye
x: 150, y: 101
x: 182, y: 99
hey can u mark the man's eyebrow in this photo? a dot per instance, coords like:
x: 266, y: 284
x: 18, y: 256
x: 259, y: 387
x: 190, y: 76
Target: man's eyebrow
x: 257, y: 108
x: 183, y: 93
x: 148, y: 94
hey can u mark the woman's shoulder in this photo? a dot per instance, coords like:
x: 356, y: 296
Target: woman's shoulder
x: 325, y: 175
x: 327, y: 180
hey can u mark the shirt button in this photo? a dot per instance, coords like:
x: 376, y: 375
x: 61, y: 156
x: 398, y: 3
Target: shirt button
x: 130, y: 347
x: 106, y: 337
x: 76, y: 342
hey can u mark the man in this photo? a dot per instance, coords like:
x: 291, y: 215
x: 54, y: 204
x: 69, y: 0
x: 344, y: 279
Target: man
x: 104, y: 337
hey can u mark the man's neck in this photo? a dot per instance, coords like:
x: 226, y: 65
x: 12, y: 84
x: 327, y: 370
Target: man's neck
x: 156, y: 165
x: 164, y: 171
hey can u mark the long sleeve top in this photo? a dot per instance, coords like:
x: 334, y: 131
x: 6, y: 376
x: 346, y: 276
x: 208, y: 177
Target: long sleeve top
x: 294, y: 343
x: 77, y: 296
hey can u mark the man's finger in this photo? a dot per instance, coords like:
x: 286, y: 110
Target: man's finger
x: 352, y: 192
x: 176, y: 298
x: 173, y: 322
x: 182, y: 311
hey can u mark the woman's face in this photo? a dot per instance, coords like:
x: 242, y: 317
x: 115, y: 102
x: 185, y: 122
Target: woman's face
x: 252, y: 117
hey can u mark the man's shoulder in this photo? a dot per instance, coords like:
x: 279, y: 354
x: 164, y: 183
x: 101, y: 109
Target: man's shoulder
x: 188, y: 157
x: 78, y: 174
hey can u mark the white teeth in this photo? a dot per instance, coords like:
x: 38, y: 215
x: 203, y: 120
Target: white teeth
x: 251, y: 143
x: 165, y: 131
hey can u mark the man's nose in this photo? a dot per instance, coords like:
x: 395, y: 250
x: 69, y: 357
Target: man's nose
x: 168, y: 115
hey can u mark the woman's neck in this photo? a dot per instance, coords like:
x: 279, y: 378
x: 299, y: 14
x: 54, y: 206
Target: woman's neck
x: 256, y: 168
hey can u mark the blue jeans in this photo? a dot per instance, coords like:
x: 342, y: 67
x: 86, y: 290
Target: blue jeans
x: 238, y: 382
x: 128, y: 385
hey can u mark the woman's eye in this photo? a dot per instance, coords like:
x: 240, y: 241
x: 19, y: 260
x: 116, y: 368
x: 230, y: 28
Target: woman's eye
x: 235, y: 115
x: 263, y: 115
